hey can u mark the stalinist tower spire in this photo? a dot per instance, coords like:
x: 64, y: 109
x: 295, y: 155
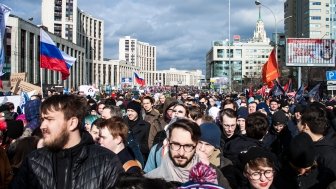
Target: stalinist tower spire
x: 260, y: 33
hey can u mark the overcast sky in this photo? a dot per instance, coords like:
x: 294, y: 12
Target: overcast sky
x: 182, y: 30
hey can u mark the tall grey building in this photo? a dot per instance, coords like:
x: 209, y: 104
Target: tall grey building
x: 310, y: 18
x: 314, y: 19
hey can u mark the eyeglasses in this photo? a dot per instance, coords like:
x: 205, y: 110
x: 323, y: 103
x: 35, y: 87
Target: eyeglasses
x: 176, y: 147
x: 178, y: 111
x: 257, y: 175
x: 228, y: 126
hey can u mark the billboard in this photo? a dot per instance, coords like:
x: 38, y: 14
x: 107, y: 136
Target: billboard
x: 126, y: 80
x: 219, y: 80
x: 310, y: 52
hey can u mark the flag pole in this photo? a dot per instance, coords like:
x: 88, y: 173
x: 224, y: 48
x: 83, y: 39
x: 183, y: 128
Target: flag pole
x: 40, y: 65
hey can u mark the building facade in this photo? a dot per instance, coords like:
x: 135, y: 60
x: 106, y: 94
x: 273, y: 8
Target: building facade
x: 314, y: 19
x: 139, y: 54
x: 310, y: 19
x: 22, y: 47
x: 66, y: 20
x: 119, y: 73
x: 239, y: 62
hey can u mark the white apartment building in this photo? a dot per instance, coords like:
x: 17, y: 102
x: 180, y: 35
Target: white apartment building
x: 119, y: 72
x: 178, y: 77
x: 22, y: 47
x: 239, y: 62
x: 139, y: 54
x: 66, y: 20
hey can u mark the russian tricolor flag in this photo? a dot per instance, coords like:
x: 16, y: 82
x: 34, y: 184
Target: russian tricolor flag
x: 52, y: 58
x: 139, y: 80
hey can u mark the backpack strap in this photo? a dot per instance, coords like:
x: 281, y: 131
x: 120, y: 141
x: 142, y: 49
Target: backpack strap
x: 131, y: 163
x: 157, y: 148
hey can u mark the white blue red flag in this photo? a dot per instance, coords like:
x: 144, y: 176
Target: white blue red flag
x: 4, y: 14
x: 139, y: 80
x: 52, y: 58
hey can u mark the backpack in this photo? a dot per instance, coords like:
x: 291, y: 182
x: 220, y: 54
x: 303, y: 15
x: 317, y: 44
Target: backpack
x: 131, y: 163
x: 135, y: 147
x: 158, y: 139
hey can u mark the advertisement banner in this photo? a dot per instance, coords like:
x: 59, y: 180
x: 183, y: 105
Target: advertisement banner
x: 310, y: 52
x: 126, y: 80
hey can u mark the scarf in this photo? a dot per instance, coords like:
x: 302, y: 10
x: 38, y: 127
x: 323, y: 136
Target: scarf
x: 168, y: 171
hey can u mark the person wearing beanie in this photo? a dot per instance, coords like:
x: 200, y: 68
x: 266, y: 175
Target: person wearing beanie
x: 242, y: 115
x: 292, y: 123
x: 301, y: 169
x: 278, y: 136
x: 209, y: 145
x: 138, y: 129
x: 259, y: 166
x: 284, y: 106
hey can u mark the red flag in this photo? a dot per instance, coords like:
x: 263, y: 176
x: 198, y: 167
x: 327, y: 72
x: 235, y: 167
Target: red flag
x: 270, y: 84
x: 1, y: 86
x: 269, y: 70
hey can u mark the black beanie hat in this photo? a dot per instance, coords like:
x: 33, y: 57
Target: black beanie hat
x: 134, y: 105
x: 301, y: 151
x: 279, y: 117
x: 256, y: 152
x: 14, y: 129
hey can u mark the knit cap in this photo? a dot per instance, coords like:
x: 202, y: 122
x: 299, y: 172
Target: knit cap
x: 279, y: 117
x: 211, y: 134
x: 134, y: 105
x: 242, y: 112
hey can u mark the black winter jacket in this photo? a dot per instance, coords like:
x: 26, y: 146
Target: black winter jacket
x: 326, y: 159
x: 140, y: 129
x: 93, y: 167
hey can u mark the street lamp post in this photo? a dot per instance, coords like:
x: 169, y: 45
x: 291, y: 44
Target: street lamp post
x: 258, y: 3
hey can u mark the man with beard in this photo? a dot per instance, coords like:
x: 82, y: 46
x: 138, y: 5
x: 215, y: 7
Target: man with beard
x: 70, y: 158
x: 183, y: 137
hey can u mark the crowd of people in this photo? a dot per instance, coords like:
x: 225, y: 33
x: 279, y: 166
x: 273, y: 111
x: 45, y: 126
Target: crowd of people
x: 189, y: 139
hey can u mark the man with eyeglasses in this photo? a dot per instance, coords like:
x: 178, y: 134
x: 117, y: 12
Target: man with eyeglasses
x: 233, y: 143
x: 229, y: 122
x: 182, y: 138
